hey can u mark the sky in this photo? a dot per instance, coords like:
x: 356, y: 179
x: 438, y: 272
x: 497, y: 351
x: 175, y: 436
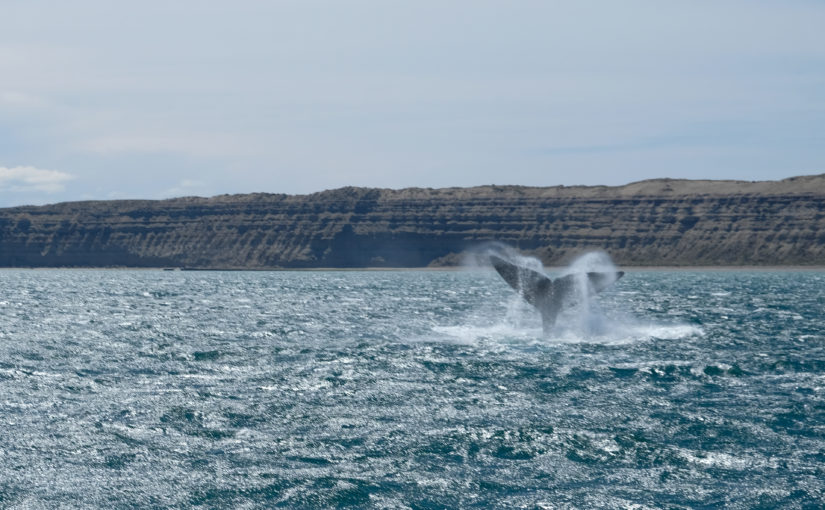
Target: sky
x: 157, y: 99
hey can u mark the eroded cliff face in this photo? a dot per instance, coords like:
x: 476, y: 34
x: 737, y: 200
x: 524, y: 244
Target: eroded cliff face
x: 659, y: 222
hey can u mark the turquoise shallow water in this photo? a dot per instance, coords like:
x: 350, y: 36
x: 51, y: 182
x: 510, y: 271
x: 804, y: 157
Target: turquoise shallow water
x: 123, y: 389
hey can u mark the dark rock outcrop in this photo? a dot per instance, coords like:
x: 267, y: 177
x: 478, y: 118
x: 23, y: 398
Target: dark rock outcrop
x: 657, y: 222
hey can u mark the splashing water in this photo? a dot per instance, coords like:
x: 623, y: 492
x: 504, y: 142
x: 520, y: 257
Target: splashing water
x: 585, y: 320
x: 584, y: 315
x: 582, y: 320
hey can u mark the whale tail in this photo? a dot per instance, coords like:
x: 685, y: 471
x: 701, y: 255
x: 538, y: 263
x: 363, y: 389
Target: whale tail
x: 547, y: 295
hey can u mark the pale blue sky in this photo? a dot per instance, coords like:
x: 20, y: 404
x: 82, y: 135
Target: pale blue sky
x: 153, y: 99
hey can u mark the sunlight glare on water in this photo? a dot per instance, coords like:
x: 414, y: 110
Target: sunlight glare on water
x: 408, y: 389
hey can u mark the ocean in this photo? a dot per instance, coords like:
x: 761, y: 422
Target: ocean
x: 409, y: 389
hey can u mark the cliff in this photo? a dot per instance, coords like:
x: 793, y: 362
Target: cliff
x: 655, y: 222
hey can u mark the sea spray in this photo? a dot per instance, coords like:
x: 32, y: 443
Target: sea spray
x: 583, y: 314
x: 582, y: 318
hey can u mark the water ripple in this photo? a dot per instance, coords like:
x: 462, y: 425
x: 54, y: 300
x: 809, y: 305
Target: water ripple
x: 408, y: 390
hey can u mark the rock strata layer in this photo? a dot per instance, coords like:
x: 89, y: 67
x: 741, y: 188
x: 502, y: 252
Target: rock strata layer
x: 660, y: 222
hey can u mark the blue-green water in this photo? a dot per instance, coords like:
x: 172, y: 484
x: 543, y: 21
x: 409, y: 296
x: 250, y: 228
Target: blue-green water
x: 408, y: 390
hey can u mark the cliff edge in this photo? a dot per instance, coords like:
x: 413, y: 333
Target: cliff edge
x: 654, y: 222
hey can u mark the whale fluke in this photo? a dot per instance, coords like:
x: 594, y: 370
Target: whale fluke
x: 547, y: 295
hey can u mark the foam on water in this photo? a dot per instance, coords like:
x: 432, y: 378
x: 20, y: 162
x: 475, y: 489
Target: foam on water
x: 501, y: 332
x: 614, y: 333
x: 583, y: 319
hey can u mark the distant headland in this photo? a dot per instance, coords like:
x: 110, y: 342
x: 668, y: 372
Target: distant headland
x: 660, y: 222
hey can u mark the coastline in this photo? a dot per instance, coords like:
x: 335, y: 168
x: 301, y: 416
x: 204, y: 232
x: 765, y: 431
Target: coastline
x: 650, y: 223
x: 630, y: 269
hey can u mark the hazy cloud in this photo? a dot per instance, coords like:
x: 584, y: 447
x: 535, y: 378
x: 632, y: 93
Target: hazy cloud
x: 185, y: 187
x: 17, y: 99
x: 302, y: 96
x: 191, y: 144
x: 29, y: 178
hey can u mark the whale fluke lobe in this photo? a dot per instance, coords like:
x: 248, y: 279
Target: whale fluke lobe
x: 547, y: 295
x: 527, y: 282
x: 601, y: 281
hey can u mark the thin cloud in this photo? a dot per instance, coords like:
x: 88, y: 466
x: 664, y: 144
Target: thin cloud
x: 302, y: 96
x: 16, y: 99
x: 29, y: 178
x: 185, y: 187
x: 191, y: 144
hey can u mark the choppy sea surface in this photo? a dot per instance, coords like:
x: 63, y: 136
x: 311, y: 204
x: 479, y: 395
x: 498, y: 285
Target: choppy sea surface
x: 684, y: 389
